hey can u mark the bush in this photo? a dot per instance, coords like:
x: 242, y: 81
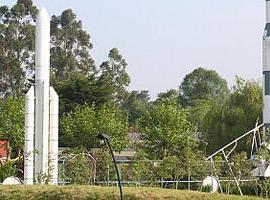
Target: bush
x: 8, y: 169
x: 207, y: 188
x: 79, y: 169
x: 248, y: 188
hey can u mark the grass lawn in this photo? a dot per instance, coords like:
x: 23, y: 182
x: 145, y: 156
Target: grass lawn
x: 39, y: 192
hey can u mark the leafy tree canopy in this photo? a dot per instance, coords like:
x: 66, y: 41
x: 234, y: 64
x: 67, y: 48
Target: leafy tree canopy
x: 70, y: 51
x: 16, y: 47
x: 136, y: 105
x: 170, y: 96
x: 113, y: 73
x: 231, y: 117
x: 12, y: 122
x: 202, y: 84
x: 165, y: 130
x: 78, y: 89
x: 80, y: 128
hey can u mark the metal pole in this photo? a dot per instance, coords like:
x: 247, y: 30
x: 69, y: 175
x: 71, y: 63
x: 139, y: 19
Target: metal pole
x: 108, y: 175
x: 116, y: 169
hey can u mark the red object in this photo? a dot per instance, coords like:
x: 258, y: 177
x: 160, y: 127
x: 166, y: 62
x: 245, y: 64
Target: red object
x: 4, y: 146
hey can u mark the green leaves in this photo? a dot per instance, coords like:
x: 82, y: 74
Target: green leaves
x: 70, y: 46
x: 7, y: 170
x: 202, y: 84
x: 113, y: 72
x: 16, y: 47
x: 165, y: 129
x: 12, y: 122
x: 231, y: 117
x: 169, y: 168
x: 136, y: 105
x: 80, y: 128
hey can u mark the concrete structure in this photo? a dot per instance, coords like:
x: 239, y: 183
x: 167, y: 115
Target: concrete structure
x: 212, y: 182
x: 262, y: 169
x: 41, y: 115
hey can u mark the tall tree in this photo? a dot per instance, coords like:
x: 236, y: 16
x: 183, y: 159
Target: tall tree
x: 202, y: 84
x: 16, y: 47
x: 170, y: 96
x: 229, y: 118
x: 136, y: 105
x: 70, y: 51
x: 77, y: 89
x: 165, y: 131
x: 113, y: 72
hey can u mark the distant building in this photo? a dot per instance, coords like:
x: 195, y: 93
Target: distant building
x: 4, y: 149
x: 127, y: 154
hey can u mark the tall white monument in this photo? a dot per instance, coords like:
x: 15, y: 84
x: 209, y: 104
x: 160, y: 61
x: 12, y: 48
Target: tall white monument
x: 266, y: 68
x: 41, y: 115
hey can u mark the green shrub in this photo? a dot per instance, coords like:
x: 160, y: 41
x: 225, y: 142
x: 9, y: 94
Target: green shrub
x: 207, y: 188
x: 8, y: 169
x: 79, y: 169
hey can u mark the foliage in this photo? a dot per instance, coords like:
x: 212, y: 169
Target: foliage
x: 168, y: 138
x: 219, y: 167
x: 202, y: 84
x: 207, y: 188
x: 242, y: 167
x: 70, y: 46
x: 263, y: 153
x: 197, y: 113
x: 233, y: 116
x: 194, y: 165
x: 12, y: 122
x: 169, y: 169
x: 113, y: 73
x: 104, y: 163
x: 136, y: 104
x: 78, y: 89
x: 170, y: 97
x: 106, y: 86
x: 80, y: 128
x: 79, y: 169
x: 165, y: 131
x: 127, y: 172
x: 8, y: 169
x: 143, y: 168
x: 16, y: 47
x: 248, y: 188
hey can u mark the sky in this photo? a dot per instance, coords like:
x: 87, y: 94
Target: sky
x: 163, y: 41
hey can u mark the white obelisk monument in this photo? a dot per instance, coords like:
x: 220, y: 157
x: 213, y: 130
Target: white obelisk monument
x: 41, y: 116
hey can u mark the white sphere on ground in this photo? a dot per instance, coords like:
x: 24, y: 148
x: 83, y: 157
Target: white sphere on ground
x: 212, y: 182
x: 267, y: 171
x: 12, y: 181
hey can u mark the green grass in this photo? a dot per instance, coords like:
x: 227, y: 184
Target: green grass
x: 75, y: 192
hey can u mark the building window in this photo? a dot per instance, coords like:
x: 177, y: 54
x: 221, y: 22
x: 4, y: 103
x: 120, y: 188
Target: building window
x: 267, y: 83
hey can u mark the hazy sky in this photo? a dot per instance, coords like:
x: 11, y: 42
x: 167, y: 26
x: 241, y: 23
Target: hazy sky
x: 162, y: 40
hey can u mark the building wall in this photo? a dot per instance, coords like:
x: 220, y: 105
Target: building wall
x: 4, y: 146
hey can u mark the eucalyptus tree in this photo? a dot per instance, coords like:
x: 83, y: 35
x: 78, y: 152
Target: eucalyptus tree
x: 136, y: 105
x: 114, y: 75
x: 17, y: 33
x: 71, y: 45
